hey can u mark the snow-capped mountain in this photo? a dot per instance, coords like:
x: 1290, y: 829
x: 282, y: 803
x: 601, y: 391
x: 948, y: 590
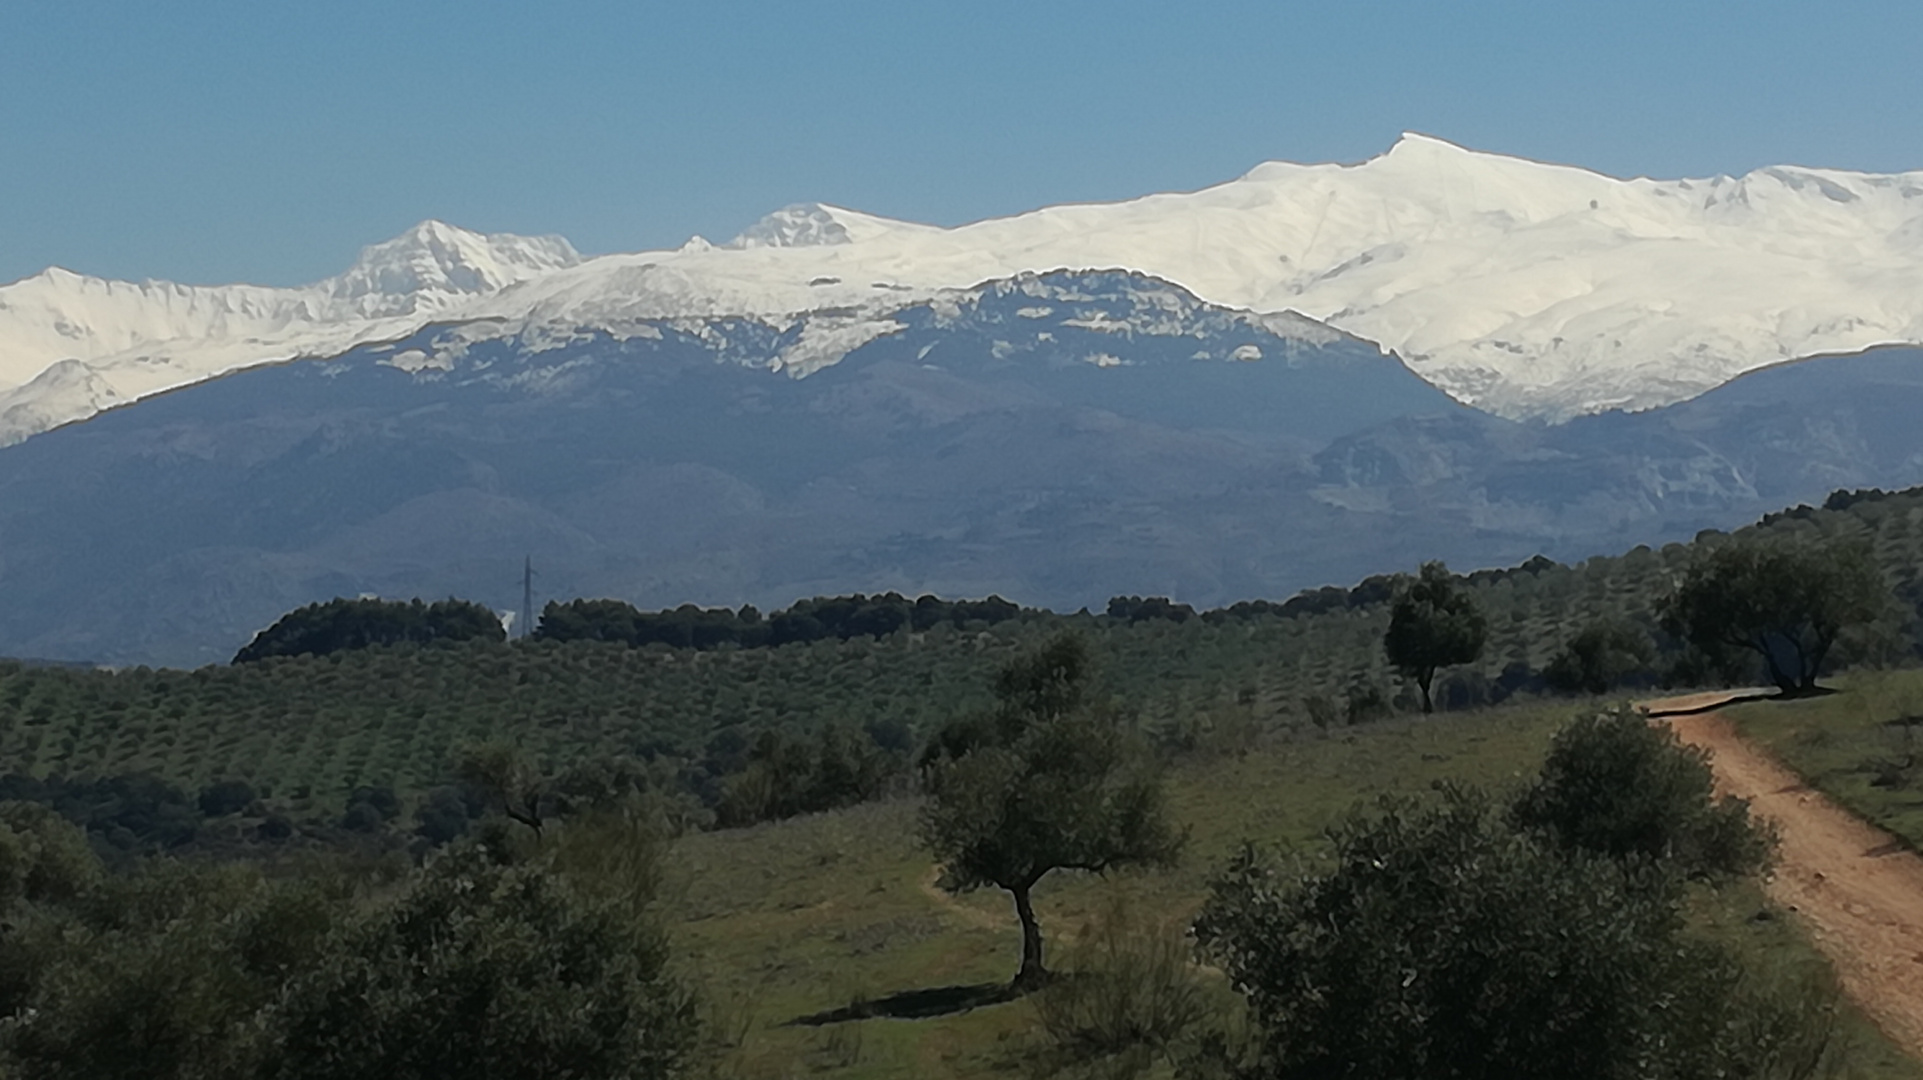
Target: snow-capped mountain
x: 71, y: 345
x: 1522, y: 288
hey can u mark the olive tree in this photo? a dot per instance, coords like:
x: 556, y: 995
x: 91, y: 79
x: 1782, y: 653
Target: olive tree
x: 1615, y: 784
x: 1441, y: 942
x: 1433, y: 624
x: 1601, y: 656
x: 1784, y: 600
x: 1047, y: 782
x: 481, y: 969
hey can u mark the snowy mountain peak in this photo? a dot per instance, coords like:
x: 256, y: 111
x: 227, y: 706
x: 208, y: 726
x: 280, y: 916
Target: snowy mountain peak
x: 135, y: 338
x: 1525, y: 288
x: 797, y: 225
x: 1415, y: 142
x: 440, y: 261
x: 813, y: 225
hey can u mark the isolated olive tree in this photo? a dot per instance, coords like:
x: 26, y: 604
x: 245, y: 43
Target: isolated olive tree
x: 1784, y: 600
x: 1046, y: 782
x: 1433, y: 624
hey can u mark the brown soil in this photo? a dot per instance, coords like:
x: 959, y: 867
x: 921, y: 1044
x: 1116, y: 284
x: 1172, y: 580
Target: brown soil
x: 1858, y: 889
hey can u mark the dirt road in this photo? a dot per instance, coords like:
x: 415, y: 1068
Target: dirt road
x: 1859, y: 890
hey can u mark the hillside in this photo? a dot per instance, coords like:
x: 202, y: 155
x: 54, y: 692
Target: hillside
x: 1055, y: 439
x: 821, y: 942
x: 807, y: 916
x: 311, y: 730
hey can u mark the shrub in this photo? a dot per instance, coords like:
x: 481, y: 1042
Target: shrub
x: 481, y: 969
x: 1126, y: 998
x: 362, y: 818
x: 163, y: 975
x: 43, y: 857
x: 226, y: 797
x: 1614, y: 784
x: 1441, y: 942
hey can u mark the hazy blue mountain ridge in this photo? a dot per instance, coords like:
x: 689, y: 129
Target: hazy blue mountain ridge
x: 1053, y: 438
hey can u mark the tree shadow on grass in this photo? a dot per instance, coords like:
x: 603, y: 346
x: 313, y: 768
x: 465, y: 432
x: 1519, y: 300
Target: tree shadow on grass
x: 914, y: 1004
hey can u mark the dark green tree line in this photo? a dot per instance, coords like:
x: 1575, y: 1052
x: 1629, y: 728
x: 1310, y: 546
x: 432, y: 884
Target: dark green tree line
x: 338, y: 625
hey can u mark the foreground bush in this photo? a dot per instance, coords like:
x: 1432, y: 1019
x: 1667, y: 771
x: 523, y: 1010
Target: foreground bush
x: 484, y: 964
x: 484, y: 970
x: 1444, y: 943
x: 1614, y: 784
x: 163, y: 974
x: 1126, y: 1000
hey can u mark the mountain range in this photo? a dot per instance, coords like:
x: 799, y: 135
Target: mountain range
x: 1526, y: 289
x: 1056, y: 438
x: 1298, y: 378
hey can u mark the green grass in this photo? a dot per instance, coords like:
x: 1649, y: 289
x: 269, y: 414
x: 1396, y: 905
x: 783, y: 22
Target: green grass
x: 791, y: 919
x: 1854, y: 745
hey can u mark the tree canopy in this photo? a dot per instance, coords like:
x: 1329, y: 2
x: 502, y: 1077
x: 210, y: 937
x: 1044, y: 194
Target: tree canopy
x: 816, y: 619
x: 1614, y: 784
x: 337, y: 625
x: 1599, y: 657
x: 490, y: 961
x: 1442, y: 942
x: 481, y: 969
x: 1783, y: 600
x: 1433, y: 623
x: 1049, y: 782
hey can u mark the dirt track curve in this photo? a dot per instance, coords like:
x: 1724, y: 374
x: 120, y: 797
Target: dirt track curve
x: 1858, y: 888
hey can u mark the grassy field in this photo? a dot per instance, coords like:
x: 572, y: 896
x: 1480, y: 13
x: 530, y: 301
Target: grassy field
x: 789, y: 920
x: 1863, y: 746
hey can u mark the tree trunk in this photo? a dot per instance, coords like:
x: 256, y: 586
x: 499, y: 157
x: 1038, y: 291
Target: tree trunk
x: 1032, y: 975
x: 1784, y: 682
x: 1813, y: 660
x: 1423, y: 681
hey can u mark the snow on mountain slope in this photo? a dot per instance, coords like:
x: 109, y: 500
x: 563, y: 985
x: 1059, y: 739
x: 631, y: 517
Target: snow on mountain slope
x: 130, y: 340
x: 1523, y: 288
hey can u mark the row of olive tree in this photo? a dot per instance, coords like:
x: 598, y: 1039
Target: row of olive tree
x: 1782, y: 601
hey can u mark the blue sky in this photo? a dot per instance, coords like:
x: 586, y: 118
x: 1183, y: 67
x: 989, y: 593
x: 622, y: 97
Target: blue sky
x: 225, y: 141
